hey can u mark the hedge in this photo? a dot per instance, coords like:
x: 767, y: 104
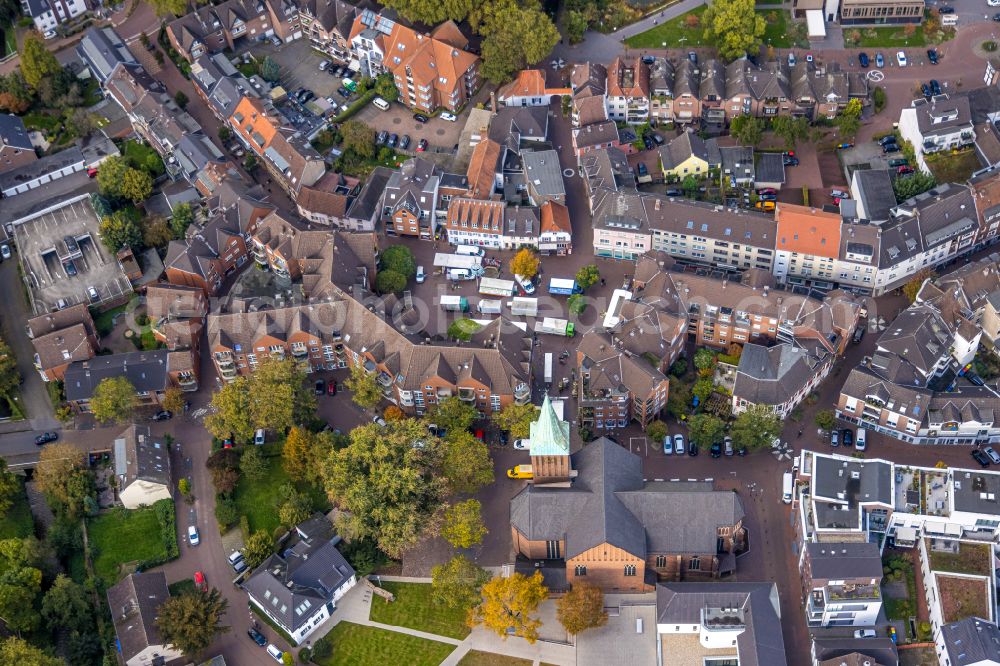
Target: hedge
x: 358, y: 104
x: 168, y: 531
x: 256, y: 610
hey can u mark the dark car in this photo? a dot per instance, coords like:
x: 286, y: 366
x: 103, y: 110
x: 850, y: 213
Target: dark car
x: 847, y: 437
x: 859, y: 334
x: 162, y: 415
x: 642, y: 169
x: 935, y: 87
x: 692, y: 448
x: 945, y: 9
x: 257, y: 637
x: 45, y: 438
x: 716, y: 450
x: 890, y: 148
x: 381, y: 138
x: 926, y: 90
x: 889, y: 138
x: 393, y: 140
x: 980, y: 458
x: 863, y: 59
x: 422, y: 145
x: 996, y: 17
x: 932, y: 54
x: 790, y: 161
x: 673, y: 192
x: 404, y: 142
x: 658, y: 138
x: 767, y: 197
x: 320, y: 387
x: 306, y: 96
x: 70, y: 268
x: 342, y: 91
x: 975, y: 379
x: 420, y: 118
x: 647, y: 141
x: 331, y: 387
x: 898, y: 162
x: 693, y: 57
x: 741, y: 451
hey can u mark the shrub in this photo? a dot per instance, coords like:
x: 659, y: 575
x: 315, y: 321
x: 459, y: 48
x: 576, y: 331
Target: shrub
x: 305, y: 655
x: 989, y: 46
x: 226, y: 512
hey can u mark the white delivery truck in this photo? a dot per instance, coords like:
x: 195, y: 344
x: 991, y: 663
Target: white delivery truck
x: 787, y: 485
x: 555, y: 326
x: 469, y: 250
x: 523, y: 307
x: 459, y: 274
x: 454, y: 303
x: 495, y: 287
x: 548, y: 368
x: 490, y: 307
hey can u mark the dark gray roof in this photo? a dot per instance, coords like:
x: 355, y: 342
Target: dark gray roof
x: 971, y: 641
x: 103, y: 49
x: 761, y: 642
x: 772, y: 375
x: 977, y: 491
x: 737, y: 161
x: 844, y: 561
x: 874, y: 190
x: 882, y: 650
x: 521, y: 122
x: 849, y: 483
x: 13, y: 133
x: 293, y: 584
x: 942, y: 115
x: 37, y: 7
x: 368, y: 202
x: 681, y: 148
x: 770, y: 168
x: 609, y: 503
x: 40, y: 167
x: 146, y: 370
x: 133, y: 603
x: 140, y: 457
x: 542, y: 171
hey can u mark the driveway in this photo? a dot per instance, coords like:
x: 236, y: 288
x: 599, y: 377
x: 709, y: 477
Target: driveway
x: 440, y: 134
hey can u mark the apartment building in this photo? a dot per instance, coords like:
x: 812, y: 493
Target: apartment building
x: 176, y: 315
x: 430, y: 71
x: 589, y: 84
x: 134, y: 603
x: 329, y: 200
x: 61, y: 338
x: 841, y: 584
x: 102, y: 49
x: 807, y: 245
x: 973, y: 640
x: 221, y: 86
x: 222, y: 27
x: 942, y: 123
x: 779, y: 378
x: 986, y: 194
x: 48, y: 15
x: 326, y: 23
x: 628, y: 91
x: 597, y: 136
x: 867, y: 12
x: 411, y: 198
x: 151, y: 373
x: 529, y: 89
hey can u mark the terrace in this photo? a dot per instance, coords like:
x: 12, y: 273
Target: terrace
x: 921, y: 492
x: 963, y: 597
x: 959, y: 557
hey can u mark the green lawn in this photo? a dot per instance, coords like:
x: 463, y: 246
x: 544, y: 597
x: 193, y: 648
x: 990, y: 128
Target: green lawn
x: 104, y: 321
x: 9, y: 40
x: 43, y: 122
x: 675, y: 33
x: 140, y: 156
x: 971, y: 558
x: 477, y: 658
x: 185, y: 586
x: 259, y: 500
x: 949, y: 167
x: 413, y: 608
x: 890, y: 37
x: 115, y: 541
x: 17, y: 522
x: 357, y: 645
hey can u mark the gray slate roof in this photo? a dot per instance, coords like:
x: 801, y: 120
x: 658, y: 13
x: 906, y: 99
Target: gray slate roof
x: 761, y: 642
x: 770, y: 168
x: 542, y: 171
x: 140, y: 457
x: 832, y: 651
x: 772, y: 375
x: 133, y: 603
x: 971, y: 641
x: 103, y: 49
x: 13, y: 133
x: 146, y: 370
x: 874, y: 189
x: 844, y: 561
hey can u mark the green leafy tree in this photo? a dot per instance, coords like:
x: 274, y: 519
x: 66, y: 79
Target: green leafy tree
x: 231, y: 406
x: 156, y: 232
x: 453, y: 415
x: 679, y: 399
x: 296, y: 508
x: 365, y: 391
x: 430, y: 11
x: 358, y: 138
x: 576, y: 26
x: 755, y: 428
x: 467, y: 463
x: 10, y: 488
x: 703, y: 389
x: 463, y: 524
x: 37, y: 62
x: 385, y: 87
x: 110, y: 176
x: 705, y: 429
x: 588, y: 276
x: 190, y: 622
x: 225, y: 134
x: 10, y: 378
x: 656, y: 431
x: 734, y: 27
x: 790, y: 129
x: 514, y: 36
x: 19, y: 590
x: 120, y: 229
x: 912, y: 185
x: 525, y: 263
x: 581, y: 608
x: 516, y: 419
x: 181, y: 99
x: 509, y: 603
x: 825, y: 419
x: 113, y: 400
x: 275, y: 396
x: 136, y: 185
x: 393, y: 509
x: 849, y: 120
x: 250, y: 162
x: 270, y: 71
x: 224, y: 468
x: 748, y: 130
x: 689, y: 185
x: 704, y: 360
x: 181, y: 219
x: 14, y: 650
x: 389, y: 282
x: 253, y: 464
x: 173, y: 400
x: 258, y: 548
x: 398, y: 258
x: 457, y: 583
x: 66, y: 605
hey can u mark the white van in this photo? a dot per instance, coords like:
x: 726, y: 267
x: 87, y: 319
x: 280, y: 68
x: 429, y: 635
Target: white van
x: 949, y: 20
x: 859, y: 439
x: 381, y: 103
x: 786, y: 488
x: 421, y: 276
x: 526, y: 284
x: 258, y: 437
x: 459, y: 274
x: 275, y: 653
x: 469, y: 250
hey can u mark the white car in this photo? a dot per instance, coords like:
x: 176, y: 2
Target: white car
x: 526, y: 284
x: 901, y: 58
x: 193, y: 537
x: 49, y: 34
x: 449, y: 117
x: 864, y: 633
x: 421, y: 276
x: 275, y: 653
x: 679, y: 445
x: 993, y: 3
x: 522, y: 444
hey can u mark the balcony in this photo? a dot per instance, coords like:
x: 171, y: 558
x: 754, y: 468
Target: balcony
x: 466, y: 394
x: 299, y: 353
x: 522, y: 394
x: 187, y: 384
x: 722, y: 619
x: 852, y: 592
x: 384, y: 379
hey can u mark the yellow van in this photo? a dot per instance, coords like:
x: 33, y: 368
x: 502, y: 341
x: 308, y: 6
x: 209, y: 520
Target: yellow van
x: 766, y: 206
x: 520, y: 472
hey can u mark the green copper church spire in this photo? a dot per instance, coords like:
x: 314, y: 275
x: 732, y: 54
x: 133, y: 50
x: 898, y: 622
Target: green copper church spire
x: 549, y: 435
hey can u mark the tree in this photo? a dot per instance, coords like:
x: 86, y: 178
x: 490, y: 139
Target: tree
x: 110, y: 176
x: 296, y: 508
x: 37, y: 62
x: 16, y: 96
x: 385, y: 87
x: 463, y: 524
x: 508, y: 604
x: 358, y: 138
x: 181, y: 99
x: 224, y: 467
x: 275, y: 396
x: 225, y: 134
x: 190, y: 622
x: 457, y: 583
x: 10, y: 488
x: 173, y: 400
x: 452, y: 415
x: 748, y: 130
x: 431, y: 12
x: 467, y: 463
x: 301, y: 455
x: 525, y: 263
x: 253, y: 464
x: 690, y: 186
x: 156, y: 232
x: 231, y: 405
x: 19, y: 589
x: 365, y: 391
x: 62, y: 478
x: 113, y: 400
x: 734, y: 27
x: 825, y: 419
x: 679, y: 399
x: 656, y: 431
x: 755, y: 428
x: 10, y: 378
x: 398, y: 258
x: 136, y: 185
x: 849, y: 120
x: 181, y: 219
x: 704, y: 360
x: 65, y: 605
x: 912, y: 288
x: 250, y: 162
x: 184, y: 486
x: 389, y: 282
x: 258, y: 548
x: 119, y: 230
x: 790, y: 129
x: 393, y: 413
x: 581, y: 608
x: 164, y: 7
x: 516, y: 419
x: 15, y: 650
x: 514, y: 36
x: 270, y: 71
x: 588, y: 276
x: 705, y: 429
x: 390, y: 508
x: 576, y: 26
x: 914, y: 184
x: 702, y: 389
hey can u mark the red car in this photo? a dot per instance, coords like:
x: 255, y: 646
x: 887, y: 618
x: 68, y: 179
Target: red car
x: 767, y: 190
x: 904, y: 170
x: 331, y: 387
x: 200, y: 582
x: 479, y: 434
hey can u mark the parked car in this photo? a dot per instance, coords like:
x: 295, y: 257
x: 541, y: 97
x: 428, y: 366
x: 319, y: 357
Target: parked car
x: 45, y: 438
x: 200, y: 582
x: 275, y: 653
x: 980, y: 458
x: 904, y: 170
x: 859, y: 334
x: 674, y: 192
x: 404, y: 142
x: 992, y: 455
x: 728, y: 442
x: 70, y: 268
x: 925, y: 90
x: 790, y: 161
x: 715, y: 450
x: 647, y: 141
x: 840, y: 194
x: 193, y: 537
x: 421, y: 276
x: 450, y: 117
x: 766, y: 206
x: 420, y: 118
x: 257, y: 637
x: 767, y: 190
x: 320, y: 387
x: 879, y: 61
x: 835, y: 438
x: 945, y: 9
x: 378, y: 420
x: 692, y: 449
x: 768, y: 197
x: 887, y: 139
x: 901, y: 59
x: 258, y: 437
x: 847, y: 435
x: 162, y: 415
x: 393, y: 140
x: 898, y: 162
x: 522, y: 444
x: 996, y: 17
x: 93, y: 295
x: 864, y: 633
x: 935, y: 87
x: 890, y: 148
x: 276, y: 41
x: 791, y: 60
x: 381, y: 138
x: 422, y: 145
x: 863, y: 59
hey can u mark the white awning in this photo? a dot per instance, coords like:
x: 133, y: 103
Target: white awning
x: 908, y: 534
x: 816, y: 24
x: 548, y: 246
x: 354, y: 65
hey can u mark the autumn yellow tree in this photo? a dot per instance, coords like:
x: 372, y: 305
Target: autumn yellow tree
x: 525, y: 263
x: 912, y: 288
x: 508, y: 604
x: 581, y: 608
x: 61, y: 476
x: 173, y: 400
x: 393, y: 413
x: 301, y: 456
x: 463, y: 524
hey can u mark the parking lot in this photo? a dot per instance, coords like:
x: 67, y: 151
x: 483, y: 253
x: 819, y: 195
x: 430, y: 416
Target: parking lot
x: 63, y: 258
